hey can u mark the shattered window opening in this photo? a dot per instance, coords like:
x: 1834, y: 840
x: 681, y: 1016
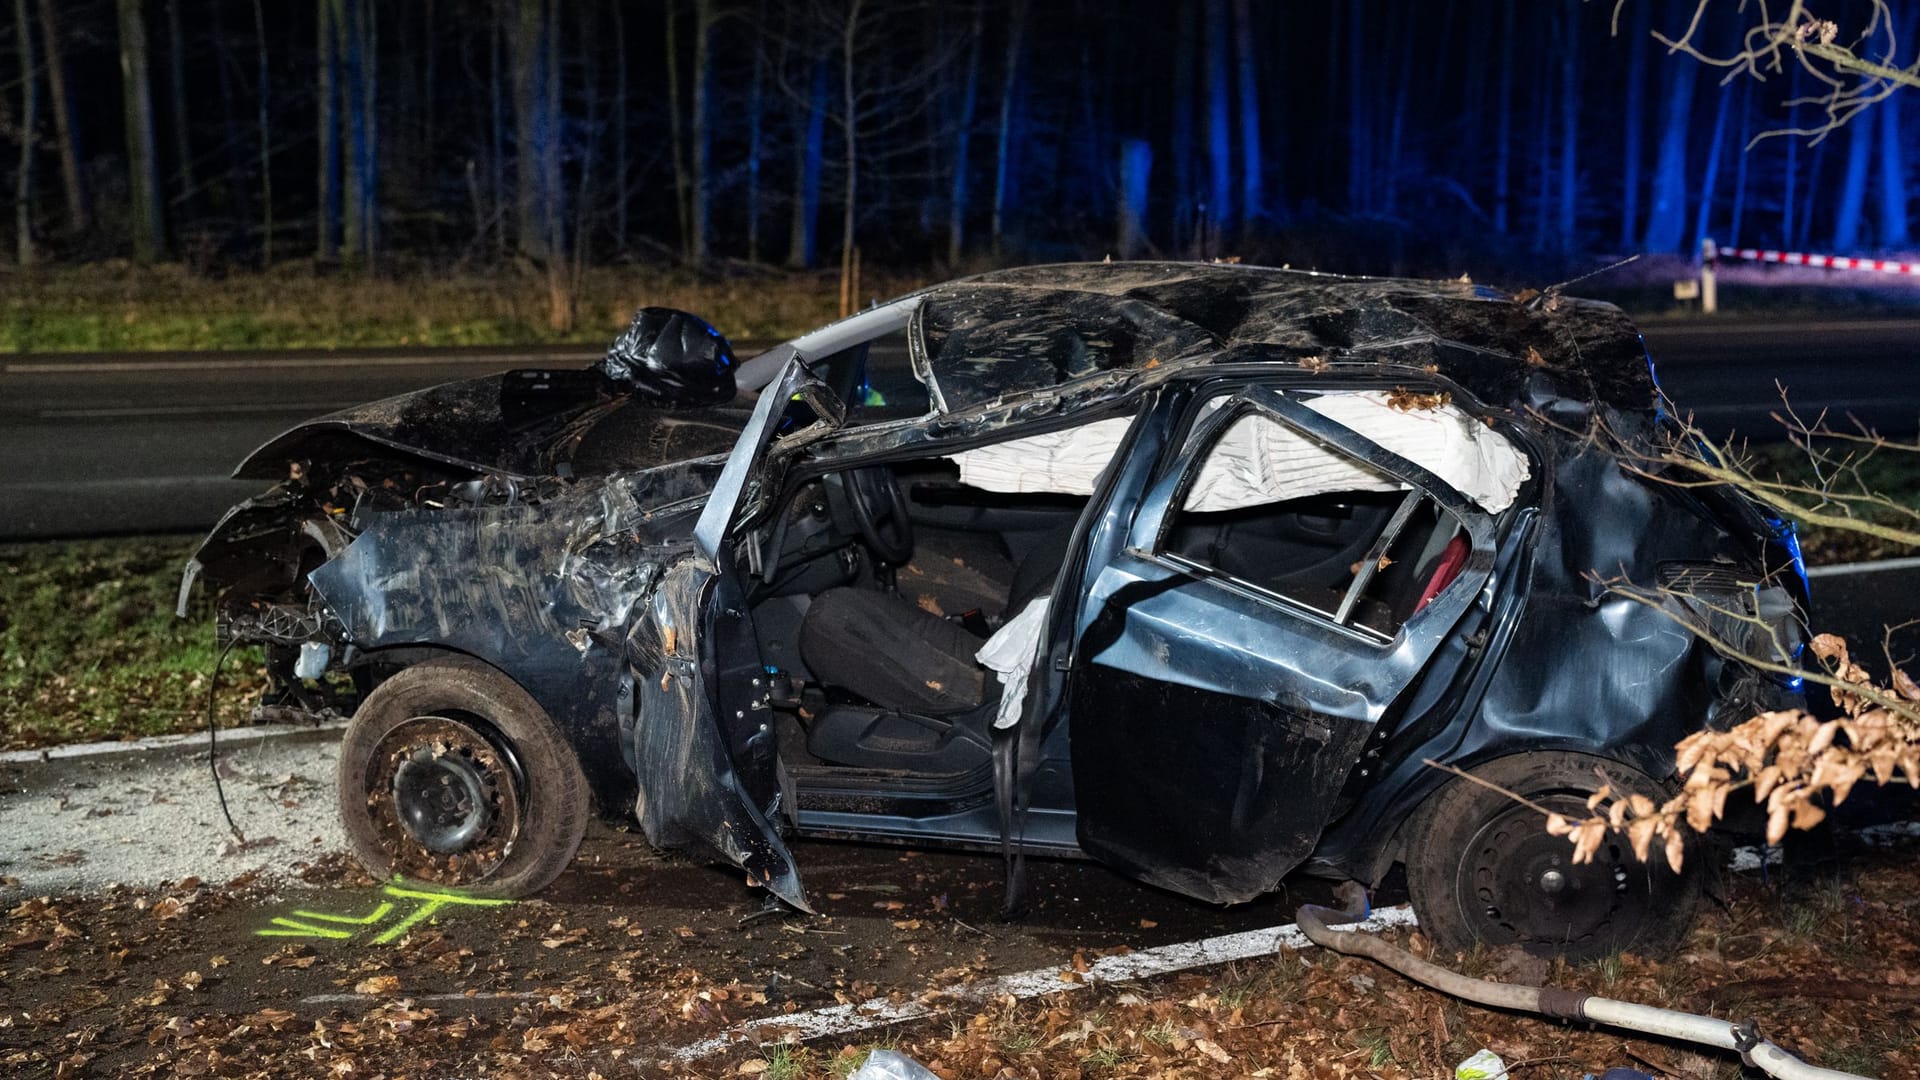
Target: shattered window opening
x: 1365, y: 555
x: 874, y: 378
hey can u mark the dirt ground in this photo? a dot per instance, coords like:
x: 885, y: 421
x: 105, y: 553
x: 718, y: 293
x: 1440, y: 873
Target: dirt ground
x: 633, y: 955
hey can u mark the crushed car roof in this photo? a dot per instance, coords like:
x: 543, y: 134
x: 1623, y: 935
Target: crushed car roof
x: 1038, y: 327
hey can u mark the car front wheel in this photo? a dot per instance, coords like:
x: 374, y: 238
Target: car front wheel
x: 451, y: 773
x: 1482, y: 868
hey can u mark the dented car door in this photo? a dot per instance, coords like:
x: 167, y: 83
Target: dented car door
x: 703, y: 750
x: 1215, y: 715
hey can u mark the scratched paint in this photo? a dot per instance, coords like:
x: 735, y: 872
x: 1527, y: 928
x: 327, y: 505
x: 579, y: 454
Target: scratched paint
x: 332, y: 926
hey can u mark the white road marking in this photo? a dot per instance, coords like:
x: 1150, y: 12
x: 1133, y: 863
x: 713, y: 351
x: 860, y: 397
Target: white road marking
x: 396, y: 998
x: 1040, y: 982
x: 313, y: 408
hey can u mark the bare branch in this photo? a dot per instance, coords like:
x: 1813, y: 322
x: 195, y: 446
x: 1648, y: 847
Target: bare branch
x: 1855, y: 75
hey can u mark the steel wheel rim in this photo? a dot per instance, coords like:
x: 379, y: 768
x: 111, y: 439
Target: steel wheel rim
x: 1519, y: 885
x: 445, y: 797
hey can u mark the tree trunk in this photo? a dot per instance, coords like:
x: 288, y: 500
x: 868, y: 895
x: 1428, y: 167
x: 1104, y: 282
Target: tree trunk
x: 1503, y: 141
x: 1003, y: 176
x: 1219, y: 216
x: 1186, y: 45
x: 1792, y: 171
x: 1849, y: 211
x: 701, y: 224
x: 1667, y: 212
x: 1812, y: 196
x: 184, y: 189
x: 368, y: 173
x: 497, y: 112
x: 266, y: 143
x: 137, y: 100
x: 1136, y: 169
x: 620, y: 126
x: 1253, y: 197
x: 1894, y: 228
x: 963, y: 133
x: 1736, y: 227
x: 560, y: 294
x: 327, y: 95
x: 1567, y: 224
x: 1632, y: 124
x: 809, y: 150
x: 360, y: 95
x: 29, y: 119
x: 429, y: 121
x: 528, y: 130
x: 1710, y: 179
x: 756, y: 90
x: 681, y: 182
x: 65, y: 122
x: 1361, y: 81
x: 1396, y: 132
x: 1542, y: 97
x: 1479, y: 30
x: 850, y: 141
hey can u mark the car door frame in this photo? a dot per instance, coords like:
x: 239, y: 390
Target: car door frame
x: 700, y: 650
x: 1122, y: 555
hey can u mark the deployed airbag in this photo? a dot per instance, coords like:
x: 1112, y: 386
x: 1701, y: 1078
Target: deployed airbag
x: 1259, y: 460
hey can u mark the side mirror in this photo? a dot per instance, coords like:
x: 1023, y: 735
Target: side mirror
x: 825, y: 403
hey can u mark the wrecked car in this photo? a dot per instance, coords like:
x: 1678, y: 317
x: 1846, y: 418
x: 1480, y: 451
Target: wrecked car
x: 1211, y: 573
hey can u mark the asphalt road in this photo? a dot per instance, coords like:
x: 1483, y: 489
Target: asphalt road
x: 96, y: 445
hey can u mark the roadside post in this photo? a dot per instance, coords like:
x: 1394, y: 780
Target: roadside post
x: 1709, y: 284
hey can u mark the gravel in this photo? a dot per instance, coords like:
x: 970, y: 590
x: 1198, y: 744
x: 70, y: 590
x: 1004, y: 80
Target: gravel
x: 78, y: 823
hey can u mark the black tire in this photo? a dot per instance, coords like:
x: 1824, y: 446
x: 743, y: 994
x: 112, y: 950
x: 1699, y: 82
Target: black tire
x: 1482, y: 869
x: 450, y: 773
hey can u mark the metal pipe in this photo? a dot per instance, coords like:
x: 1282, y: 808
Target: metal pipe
x: 1555, y: 1002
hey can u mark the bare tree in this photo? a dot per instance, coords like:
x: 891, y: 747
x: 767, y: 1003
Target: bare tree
x: 963, y: 134
x: 265, y: 135
x: 137, y: 99
x: 29, y: 117
x: 66, y: 123
x: 327, y: 128
x: 1852, y: 68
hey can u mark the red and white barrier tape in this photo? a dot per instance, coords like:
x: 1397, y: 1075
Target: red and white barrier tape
x: 1822, y: 262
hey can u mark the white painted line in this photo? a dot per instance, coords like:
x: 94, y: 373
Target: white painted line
x: 229, y: 737
x: 396, y: 998
x: 267, y: 362
x: 1147, y: 963
x: 1839, y: 569
x: 313, y: 408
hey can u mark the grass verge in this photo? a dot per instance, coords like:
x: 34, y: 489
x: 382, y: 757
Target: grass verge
x: 90, y: 648
x: 117, y: 307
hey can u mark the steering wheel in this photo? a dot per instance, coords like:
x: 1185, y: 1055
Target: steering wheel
x: 880, y: 510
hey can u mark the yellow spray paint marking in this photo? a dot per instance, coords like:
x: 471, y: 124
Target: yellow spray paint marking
x: 434, y: 902
x: 320, y: 924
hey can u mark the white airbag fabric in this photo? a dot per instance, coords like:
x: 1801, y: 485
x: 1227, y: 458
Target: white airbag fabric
x: 1258, y: 460
x: 1010, y: 654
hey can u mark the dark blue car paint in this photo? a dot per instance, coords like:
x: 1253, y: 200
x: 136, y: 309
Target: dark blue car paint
x: 615, y: 601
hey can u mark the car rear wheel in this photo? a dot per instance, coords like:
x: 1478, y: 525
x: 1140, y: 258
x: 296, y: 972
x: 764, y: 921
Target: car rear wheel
x: 451, y: 773
x: 1482, y: 868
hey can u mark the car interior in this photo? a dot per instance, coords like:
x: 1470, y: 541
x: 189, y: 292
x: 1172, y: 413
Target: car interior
x: 876, y: 586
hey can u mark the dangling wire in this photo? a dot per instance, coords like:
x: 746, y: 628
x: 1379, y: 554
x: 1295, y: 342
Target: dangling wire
x: 213, y: 743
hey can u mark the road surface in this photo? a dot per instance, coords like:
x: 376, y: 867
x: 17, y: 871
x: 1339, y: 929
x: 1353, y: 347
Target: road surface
x: 95, y: 445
